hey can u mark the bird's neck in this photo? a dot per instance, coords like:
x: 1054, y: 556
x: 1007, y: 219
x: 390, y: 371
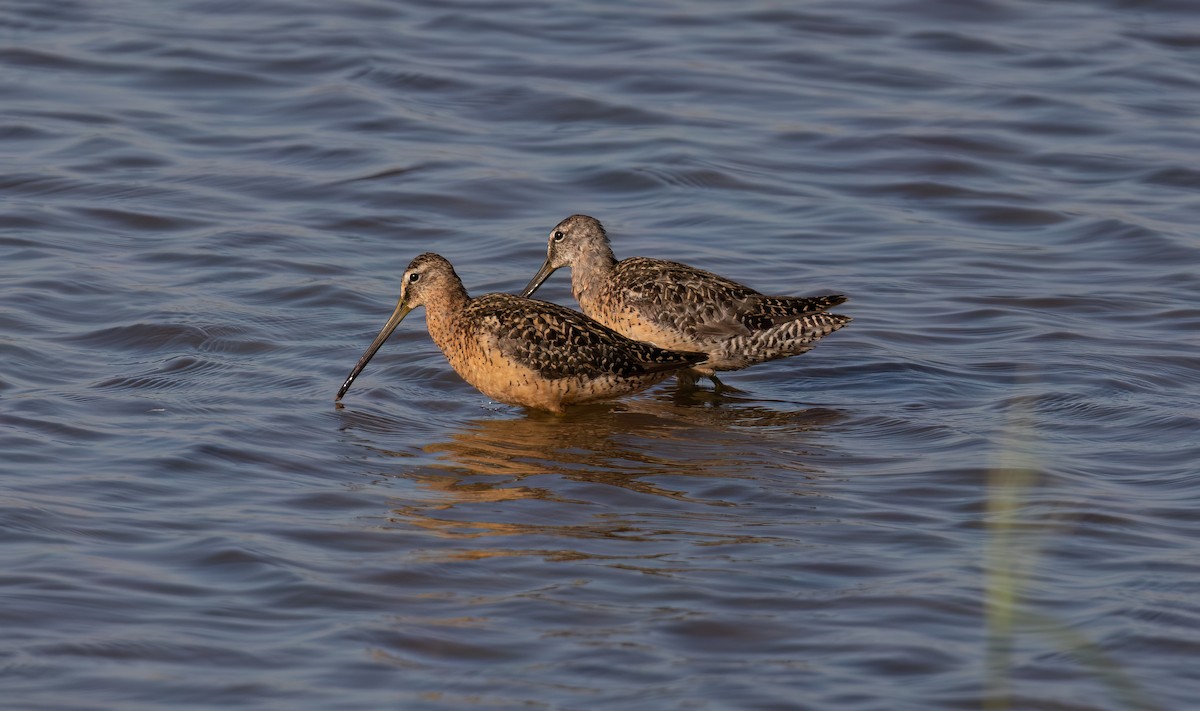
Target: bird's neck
x: 443, y: 312
x: 590, y: 273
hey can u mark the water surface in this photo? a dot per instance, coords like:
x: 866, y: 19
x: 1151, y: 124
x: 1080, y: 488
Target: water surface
x: 981, y: 494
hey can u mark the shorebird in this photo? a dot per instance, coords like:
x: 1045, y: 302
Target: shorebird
x: 679, y: 307
x: 523, y: 351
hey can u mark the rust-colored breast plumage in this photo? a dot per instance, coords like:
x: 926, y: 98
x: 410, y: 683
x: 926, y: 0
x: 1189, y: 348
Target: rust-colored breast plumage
x: 539, y: 354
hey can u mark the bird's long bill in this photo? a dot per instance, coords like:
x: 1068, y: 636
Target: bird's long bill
x: 542, y: 275
x: 398, y: 315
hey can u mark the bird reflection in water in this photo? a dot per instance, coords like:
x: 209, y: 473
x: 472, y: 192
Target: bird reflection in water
x: 600, y: 471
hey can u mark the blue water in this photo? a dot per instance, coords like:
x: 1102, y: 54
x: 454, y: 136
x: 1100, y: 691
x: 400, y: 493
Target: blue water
x: 981, y: 494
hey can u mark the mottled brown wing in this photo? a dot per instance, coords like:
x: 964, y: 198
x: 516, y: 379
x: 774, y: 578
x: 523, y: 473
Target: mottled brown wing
x: 706, y: 305
x: 678, y: 297
x: 558, y: 343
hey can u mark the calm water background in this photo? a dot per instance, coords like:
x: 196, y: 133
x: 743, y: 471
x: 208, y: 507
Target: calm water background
x: 982, y: 494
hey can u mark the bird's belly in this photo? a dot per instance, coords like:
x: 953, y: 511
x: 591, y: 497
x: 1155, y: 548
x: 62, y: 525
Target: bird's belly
x: 505, y: 380
x: 632, y: 324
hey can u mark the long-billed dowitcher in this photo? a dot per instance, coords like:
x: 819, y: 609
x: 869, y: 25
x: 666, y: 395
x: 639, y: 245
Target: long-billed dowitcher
x: 679, y: 307
x: 523, y: 351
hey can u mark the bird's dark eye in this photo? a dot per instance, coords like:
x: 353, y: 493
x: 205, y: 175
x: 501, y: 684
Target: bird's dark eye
x: 558, y: 235
x: 415, y: 276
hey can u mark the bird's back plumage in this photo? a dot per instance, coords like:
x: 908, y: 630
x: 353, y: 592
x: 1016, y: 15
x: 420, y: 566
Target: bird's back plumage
x: 556, y: 342
x: 677, y: 306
